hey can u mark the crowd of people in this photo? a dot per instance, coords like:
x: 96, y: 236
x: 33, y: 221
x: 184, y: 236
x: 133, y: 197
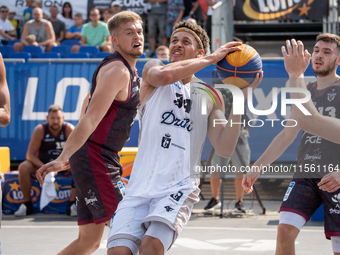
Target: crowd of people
x: 51, y: 29
x: 149, y: 215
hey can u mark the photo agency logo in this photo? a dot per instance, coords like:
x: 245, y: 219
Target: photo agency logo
x: 239, y: 105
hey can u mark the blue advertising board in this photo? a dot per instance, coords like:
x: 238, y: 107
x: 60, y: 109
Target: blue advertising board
x: 34, y: 86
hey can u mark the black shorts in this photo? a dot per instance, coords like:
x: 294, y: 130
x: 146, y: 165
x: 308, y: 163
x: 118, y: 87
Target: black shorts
x: 304, y: 197
x: 96, y: 172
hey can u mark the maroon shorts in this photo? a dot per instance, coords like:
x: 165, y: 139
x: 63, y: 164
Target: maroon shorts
x: 304, y: 197
x: 96, y: 172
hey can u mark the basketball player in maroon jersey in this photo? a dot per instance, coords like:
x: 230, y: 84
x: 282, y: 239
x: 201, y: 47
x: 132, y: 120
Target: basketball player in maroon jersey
x: 101, y: 133
x: 314, y: 180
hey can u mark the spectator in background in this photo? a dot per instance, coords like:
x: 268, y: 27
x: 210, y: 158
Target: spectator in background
x: 174, y: 15
x: 163, y: 52
x: 157, y: 20
x: 47, y: 142
x: 58, y: 25
x: 28, y: 12
x: 95, y: 33
x: 7, y: 31
x: 116, y: 7
x: 190, y: 7
x: 75, y: 31
x: 38, y: 3
x: 11, y: 14
x: 107, y: 14
x: 40, y: 30
x: 192, y: 21
x: 66, y: 16
x: 210, y: 3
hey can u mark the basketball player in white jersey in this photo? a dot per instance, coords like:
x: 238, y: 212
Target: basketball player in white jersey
x: 162, y: 188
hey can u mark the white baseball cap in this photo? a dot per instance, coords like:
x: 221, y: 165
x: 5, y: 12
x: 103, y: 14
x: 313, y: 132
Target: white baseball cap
x: 117, y: 2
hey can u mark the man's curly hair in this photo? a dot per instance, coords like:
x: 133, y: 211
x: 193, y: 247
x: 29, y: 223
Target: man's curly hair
x: 201, y: 33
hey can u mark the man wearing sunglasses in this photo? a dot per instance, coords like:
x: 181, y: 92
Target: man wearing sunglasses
x: 7, y: 31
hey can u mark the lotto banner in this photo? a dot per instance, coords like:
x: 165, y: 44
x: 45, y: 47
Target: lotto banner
x: 13, y: 197
x: 137, y: 6
x: 275, y: 9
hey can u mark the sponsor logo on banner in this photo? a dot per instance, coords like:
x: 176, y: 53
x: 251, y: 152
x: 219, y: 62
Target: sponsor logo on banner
x: 269, y: 10
x: 15, y: 194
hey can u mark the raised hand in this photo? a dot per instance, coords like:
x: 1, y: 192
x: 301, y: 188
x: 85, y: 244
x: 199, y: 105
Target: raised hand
x: 223, y: 50
x: 297, y: 59
x: 256, y: 82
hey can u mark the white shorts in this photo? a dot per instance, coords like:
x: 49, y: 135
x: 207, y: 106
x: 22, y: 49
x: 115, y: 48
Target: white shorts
x: 134, y: 214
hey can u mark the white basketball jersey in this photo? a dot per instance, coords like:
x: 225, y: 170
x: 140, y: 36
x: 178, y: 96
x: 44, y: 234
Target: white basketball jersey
x: 170, y: 143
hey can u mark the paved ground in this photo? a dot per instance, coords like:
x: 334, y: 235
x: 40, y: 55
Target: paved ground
x: 204, y: 234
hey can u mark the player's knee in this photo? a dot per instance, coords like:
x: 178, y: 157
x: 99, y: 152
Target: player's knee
x: 120, y: 250
x: 152, y: 246
x: 286, y: 232
x: 26, y: 167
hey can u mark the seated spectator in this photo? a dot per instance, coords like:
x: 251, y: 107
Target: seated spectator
x: 14, y: 22
x: 162, y: 52
x: 66, y: 16
x: 116, y: 7
x: 75, y: 31
x: 7, y: 31
x: 39, y: 30
x: 58, y: 25
x: 95, y: 33
x: 47, y: 142
x: 107, y: 14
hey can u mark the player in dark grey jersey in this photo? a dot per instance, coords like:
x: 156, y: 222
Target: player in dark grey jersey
x: 317, y: 151
x: 47, y: 142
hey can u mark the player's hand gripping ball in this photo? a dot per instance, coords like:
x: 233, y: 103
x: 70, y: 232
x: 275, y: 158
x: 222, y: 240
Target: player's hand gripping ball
x: 239, y: 68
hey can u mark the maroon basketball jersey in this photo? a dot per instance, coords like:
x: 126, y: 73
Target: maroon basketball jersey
x: 114, y: 129
x: 315, y: 154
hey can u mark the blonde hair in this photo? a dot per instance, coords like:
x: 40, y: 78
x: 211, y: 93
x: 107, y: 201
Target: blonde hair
x: 122, y: 17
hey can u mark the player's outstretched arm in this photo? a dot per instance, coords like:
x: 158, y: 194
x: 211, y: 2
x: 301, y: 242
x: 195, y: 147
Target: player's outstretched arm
x: 223, y: 135
x: 279, y: 144
x: 296, y: 61
x: 107, y: 90
x: 161, y: 75
x: 5, y: 109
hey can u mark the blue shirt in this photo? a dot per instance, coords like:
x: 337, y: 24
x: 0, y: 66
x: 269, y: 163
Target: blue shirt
x: 74, y: 29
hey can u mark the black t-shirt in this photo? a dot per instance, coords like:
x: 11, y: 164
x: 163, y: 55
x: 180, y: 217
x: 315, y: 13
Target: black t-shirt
x: 58, y: 26
x: 51, y: 146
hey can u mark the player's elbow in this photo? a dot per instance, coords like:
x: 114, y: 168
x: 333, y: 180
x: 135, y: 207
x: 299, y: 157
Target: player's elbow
x: 161, y: 78
x: 5, y: 120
